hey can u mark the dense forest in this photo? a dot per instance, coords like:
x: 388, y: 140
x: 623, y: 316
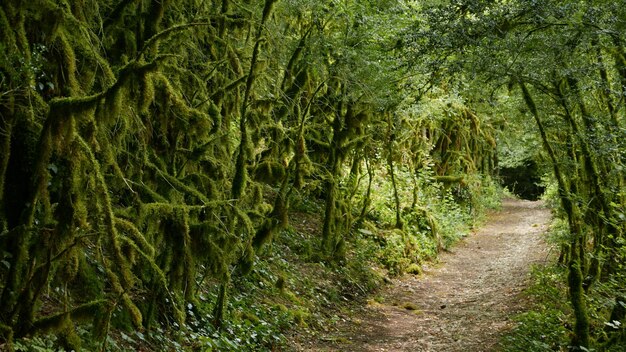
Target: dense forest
x: 212, y: 175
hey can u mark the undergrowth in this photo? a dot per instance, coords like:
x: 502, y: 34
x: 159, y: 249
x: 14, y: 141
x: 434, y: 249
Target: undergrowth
x: 291, y: 292
x: 545, y: 327
x: 548, y: 323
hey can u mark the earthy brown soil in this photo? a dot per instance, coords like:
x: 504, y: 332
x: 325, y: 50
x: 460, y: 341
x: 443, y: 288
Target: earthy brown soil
x: 463, y: 303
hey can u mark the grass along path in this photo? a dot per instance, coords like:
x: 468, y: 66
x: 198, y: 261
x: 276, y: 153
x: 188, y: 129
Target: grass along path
x: 463, y: 303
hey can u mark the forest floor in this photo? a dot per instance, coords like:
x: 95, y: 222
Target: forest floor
x: 463, y: 302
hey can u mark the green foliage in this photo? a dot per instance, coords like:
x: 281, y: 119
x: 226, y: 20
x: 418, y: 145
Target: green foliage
x: 36, y: 344
x: 545, y: 327
x: 537, y: 331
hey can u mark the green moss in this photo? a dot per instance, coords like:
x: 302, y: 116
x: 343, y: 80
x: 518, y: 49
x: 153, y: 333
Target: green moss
x: 88, y: 283
x: 281, y: 282
x: 69, y: 339
x: 414, y: 269
x: 246, y: 263
x: 235, y: 64
x: 267, y: 9
x: 339, y: 252
x: 300, y: 317
x: 69, y: 64
x: 131, y: 308
x: 69, y: 267
x: 246, y: 315
x: 130, y: 229
x: 264, y: 234
x: 410, y: 306
x: 58, y: 322
x: 179, y: 185
x: 269, y: 172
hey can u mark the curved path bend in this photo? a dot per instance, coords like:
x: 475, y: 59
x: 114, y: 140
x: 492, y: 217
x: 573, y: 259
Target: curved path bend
x: 463, y: 303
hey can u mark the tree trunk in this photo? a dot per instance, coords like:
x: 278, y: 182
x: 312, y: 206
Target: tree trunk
x: 575, y: 278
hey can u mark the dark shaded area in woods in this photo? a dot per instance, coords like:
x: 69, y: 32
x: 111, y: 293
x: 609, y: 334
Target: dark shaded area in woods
x: 523, y: 180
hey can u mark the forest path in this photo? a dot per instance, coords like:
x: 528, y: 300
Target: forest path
x: 463, y: 303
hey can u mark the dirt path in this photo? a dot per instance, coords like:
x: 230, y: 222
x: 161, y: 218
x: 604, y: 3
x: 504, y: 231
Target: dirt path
x: 463, y: 303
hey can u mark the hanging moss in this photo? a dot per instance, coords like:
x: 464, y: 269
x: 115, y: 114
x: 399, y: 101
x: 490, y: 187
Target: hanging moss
x: 174, y: 182
x: 235, y: 64
x: 121, y: 263
x: 137, y: 237
x: 264, y: 234
x: 68, y: 338
x: 241, y: 175
x: 246, y: 263
x: 69, y: 267
x: 133, y: 310
x: 208, y: 247
x: 57, y: 322
x: 87, y: 281
x: 269, y: 172
x: 69, y: 70
x: 6, y: 35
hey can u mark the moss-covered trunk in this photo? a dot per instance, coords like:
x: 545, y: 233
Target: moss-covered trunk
x: 581, y: 336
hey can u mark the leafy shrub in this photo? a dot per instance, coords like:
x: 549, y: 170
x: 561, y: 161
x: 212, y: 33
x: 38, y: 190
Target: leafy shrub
x: 545, y: 327
x: 537, y: 331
